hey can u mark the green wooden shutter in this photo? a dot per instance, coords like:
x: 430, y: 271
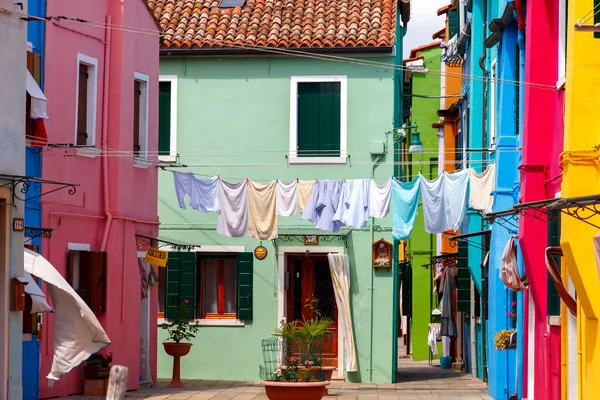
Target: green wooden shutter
x: 553, y: 240
x: 453, y: 22
x: 181, y: 284
x: 164, y: 118
x: 319, y: 110
x: 406, y: 279
x: 244, y: 286
x: 463, y: 279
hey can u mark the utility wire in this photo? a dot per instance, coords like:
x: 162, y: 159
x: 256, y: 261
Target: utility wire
x: 290, y: 52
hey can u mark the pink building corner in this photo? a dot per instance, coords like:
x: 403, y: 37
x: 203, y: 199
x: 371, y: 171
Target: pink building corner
x: 92, y: 144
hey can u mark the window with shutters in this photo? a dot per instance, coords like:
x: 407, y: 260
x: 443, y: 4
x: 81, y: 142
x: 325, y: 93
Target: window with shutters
x: 318, y: 126
x: 218, y: 287
x: 86, y: 273
x: 562, y: 41
x: 463, y: 279
x: 167, y: 118
x: 453, y: 22
x: 140, y: 120
x: 86, y: 101
x: 553, y: 299
x: 31, y: 321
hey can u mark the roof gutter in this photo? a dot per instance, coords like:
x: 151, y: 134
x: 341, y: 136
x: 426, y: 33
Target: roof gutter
x: 271, y: 52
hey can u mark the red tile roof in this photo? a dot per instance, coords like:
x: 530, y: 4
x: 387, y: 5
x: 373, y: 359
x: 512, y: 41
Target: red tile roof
x: 277, y: 23
x: 415, y: 52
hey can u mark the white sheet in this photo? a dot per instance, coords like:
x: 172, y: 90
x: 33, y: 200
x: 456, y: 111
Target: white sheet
x: 38, y: 298
x: 77, y: 332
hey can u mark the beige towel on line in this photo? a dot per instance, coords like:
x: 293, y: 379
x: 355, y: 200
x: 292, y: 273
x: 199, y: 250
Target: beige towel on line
x: 304, y: 190
x: 262, y: 220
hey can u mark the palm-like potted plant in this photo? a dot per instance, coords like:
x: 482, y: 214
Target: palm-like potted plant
x: 179, y: 330
x: 298, y: 369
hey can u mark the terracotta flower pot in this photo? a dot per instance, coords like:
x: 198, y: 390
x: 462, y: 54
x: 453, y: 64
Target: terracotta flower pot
x: 295, y: 390
x: 176, y: 350
x: 96, y: 372
x: 328, y: 372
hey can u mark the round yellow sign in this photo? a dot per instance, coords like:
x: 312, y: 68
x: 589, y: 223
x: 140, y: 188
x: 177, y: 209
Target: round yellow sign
x: 260, y: 253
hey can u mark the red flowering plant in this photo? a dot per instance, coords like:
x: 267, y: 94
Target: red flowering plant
x: 101, y: 359
x: 179, y: 328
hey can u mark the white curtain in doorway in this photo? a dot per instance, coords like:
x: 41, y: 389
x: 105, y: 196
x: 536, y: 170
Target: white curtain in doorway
x: 340, y: 277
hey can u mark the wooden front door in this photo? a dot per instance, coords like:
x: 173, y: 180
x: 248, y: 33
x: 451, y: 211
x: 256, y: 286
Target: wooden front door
x: 310, y: 284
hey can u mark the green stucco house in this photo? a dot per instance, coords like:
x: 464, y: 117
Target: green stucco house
x: 277, y: 90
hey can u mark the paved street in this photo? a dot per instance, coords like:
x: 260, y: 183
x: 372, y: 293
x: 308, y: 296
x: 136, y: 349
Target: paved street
x: 416, y: 381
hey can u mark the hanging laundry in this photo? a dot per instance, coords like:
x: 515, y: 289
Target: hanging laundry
x: 353, y: 207
x: 305, y: 189
x: 262, y: 220
x: 204, y: 194
x: 448, y: 314
x: 287, y: 194
x: 481, y: 187
x: 405, y: 204
x: 233, y: 218
x: 455, y: 198
x: 444, y: 201
x: 434, y: 331
x: 322, y: 205
x: 379, y: 201
x: 509, y: 268
x: 183, y: 183
x: 143, y: 277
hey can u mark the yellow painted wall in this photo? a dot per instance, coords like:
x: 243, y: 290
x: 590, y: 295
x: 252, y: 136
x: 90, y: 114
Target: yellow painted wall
x: 582, y: 177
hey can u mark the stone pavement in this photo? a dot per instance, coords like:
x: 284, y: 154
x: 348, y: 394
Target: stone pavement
x: 416, y: 381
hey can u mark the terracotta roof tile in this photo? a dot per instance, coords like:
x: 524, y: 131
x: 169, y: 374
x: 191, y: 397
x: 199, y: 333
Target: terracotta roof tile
x: 276, y: 23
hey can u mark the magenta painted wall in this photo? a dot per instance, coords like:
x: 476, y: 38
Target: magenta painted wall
x: 542, y: 144
x: 132, y: 192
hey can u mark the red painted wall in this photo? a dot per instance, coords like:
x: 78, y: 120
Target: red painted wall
x: 132, y: 192
x: 542, y: 144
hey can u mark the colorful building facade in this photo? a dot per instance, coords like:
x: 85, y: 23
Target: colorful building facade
x: 257, y: 144
x: 13, y: 78
x: 103, y: 137
x: 580, y: 171
x: 422, y: 245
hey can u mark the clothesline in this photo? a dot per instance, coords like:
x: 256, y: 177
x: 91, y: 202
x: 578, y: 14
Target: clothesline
x: 250, y: 208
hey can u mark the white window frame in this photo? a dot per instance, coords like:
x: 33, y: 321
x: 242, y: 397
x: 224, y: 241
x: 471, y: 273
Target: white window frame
x: 142, y: 160
x: 562, y: 30
x: 293, y: 154
x: 172, y: 157
x: 214, y: 322
x: 92, y: 103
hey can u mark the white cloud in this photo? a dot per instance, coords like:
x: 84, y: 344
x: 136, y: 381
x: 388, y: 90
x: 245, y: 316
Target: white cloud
x: 423, y: 23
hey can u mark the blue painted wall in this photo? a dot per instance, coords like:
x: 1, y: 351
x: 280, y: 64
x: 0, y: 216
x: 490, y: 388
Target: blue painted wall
x: 33, y: 216
x: 502, y: 364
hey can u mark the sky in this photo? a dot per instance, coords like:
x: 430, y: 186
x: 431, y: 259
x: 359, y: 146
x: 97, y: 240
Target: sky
x: 423, y: 23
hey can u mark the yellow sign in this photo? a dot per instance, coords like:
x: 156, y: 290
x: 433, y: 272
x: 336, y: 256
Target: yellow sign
x: 156, y: 257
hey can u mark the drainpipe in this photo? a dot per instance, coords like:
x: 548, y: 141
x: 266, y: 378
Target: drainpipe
x: 104, y: 140
x: 473, y: 332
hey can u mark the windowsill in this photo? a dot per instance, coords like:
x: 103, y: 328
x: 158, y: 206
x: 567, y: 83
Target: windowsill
x: 554, y: 320
x: 167, y: 158
x: 560, y: 84
x: 144, y: 163
x: 27, y: 337
x: 317, y: 160
x: 90, y: 152
x: 208, y: 322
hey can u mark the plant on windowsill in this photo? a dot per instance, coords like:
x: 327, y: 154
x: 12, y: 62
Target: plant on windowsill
x: 503, y: 340
x: 98, y: 366
x: 293, y: 360
x: 179, y: 329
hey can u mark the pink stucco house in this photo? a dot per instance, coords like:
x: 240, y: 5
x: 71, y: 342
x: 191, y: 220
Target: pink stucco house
x: 540, y: 180
x: 102, y: 76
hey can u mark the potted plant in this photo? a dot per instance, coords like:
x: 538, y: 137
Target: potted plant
x: 98, y: 366
x: 504, y: 340
x: 293, y: 367
x: 179, y: 329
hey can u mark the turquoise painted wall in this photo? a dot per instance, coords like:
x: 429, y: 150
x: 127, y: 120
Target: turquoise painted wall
x: 421, y: 244
x: 233, y: 121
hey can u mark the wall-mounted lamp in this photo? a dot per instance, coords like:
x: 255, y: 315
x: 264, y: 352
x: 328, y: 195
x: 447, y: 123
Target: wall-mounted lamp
x: 415, y: 141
